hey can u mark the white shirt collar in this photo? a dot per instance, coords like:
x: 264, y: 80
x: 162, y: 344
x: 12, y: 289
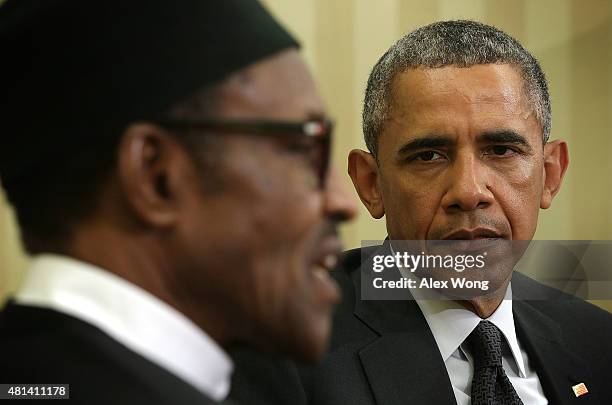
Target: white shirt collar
x: 132, y: 316
x: 451, y: 324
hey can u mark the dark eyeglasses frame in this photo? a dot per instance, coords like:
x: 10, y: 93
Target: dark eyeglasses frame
x: 319, y: 130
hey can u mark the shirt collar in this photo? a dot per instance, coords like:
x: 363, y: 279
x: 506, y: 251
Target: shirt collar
x: 451, y: 324
x: 132, y: 316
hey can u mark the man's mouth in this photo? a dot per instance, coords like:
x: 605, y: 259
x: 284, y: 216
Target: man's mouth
x: 328, y: 256
x: 471, y: 240
x: 326, y: 260
x: 473, y: 234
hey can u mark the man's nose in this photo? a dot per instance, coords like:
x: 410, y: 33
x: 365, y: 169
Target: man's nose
x: 339, y: 205
x: 468, y: 187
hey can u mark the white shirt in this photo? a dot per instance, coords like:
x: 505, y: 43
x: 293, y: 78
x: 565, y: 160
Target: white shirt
x: 451, y: 324
x: 130, y: 315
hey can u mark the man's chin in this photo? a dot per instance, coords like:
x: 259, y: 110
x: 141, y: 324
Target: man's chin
x: 313, y: 349
x: 306, y: 343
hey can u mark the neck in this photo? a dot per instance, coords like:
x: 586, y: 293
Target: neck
x: 143, y: 260
x: 485, y: 305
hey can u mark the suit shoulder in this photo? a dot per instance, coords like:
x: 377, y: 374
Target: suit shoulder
x: 574, y: 315
x: 351, y: 260
x: 344, y: 275
x: 39, y: 344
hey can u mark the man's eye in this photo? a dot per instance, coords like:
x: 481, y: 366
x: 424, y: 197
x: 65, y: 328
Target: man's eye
x: 428, y: 156
x: 500, y: 150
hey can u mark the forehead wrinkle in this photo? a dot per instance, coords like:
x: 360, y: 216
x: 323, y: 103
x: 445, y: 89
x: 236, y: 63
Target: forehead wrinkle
x: 469, y: 108
x: 452, y: 79
x: 422, y: 99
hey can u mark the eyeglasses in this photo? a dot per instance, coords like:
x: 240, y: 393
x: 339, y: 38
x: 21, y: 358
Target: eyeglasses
x: 317, y: 132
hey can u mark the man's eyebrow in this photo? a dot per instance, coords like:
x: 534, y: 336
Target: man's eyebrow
x: 503, y: 136
x: 425, y: 142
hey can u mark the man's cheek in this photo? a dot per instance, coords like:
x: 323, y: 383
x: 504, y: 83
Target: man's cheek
x: 425, y: 203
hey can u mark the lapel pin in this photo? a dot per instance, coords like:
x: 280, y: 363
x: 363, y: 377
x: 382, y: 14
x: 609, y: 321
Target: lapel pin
x: 579, y: 389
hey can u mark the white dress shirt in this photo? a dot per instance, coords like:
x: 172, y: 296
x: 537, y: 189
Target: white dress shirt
x: 451, y: 324
x: 130, y: 315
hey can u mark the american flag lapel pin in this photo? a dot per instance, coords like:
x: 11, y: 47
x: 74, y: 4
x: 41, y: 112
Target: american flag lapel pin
x: 579, y: 389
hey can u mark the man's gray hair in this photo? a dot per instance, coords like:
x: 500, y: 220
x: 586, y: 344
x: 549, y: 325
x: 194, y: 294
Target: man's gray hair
x: 459, y: 43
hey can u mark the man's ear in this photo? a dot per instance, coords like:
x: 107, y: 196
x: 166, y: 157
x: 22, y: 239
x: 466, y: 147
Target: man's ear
x: 147, y: 163
x: 556, y: 160
x: 363, y: 169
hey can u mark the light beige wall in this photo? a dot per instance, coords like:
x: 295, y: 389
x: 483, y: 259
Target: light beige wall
x: 342, y: 39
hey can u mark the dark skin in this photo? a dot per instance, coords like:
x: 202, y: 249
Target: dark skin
x: 461, y: 157
x: 248, y: 262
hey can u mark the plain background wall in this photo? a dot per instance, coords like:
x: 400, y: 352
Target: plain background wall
x: 342, y: 39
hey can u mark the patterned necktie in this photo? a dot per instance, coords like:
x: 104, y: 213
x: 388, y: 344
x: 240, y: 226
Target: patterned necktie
x: 490, y: 384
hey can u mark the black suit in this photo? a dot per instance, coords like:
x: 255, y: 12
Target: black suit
x: 383, y: 352
x: 47, y: 347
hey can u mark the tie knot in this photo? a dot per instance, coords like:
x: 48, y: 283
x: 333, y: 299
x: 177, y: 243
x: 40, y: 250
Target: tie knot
x: 484, y: 343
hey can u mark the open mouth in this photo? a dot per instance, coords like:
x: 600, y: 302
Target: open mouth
x: 325, y: 261
x: 328, y: 254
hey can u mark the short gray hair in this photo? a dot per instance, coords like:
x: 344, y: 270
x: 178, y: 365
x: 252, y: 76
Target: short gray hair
x: 459, y: 43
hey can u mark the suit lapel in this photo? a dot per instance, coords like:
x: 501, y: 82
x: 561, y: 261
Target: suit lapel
x: 558, y: 368
x: 403, y: 365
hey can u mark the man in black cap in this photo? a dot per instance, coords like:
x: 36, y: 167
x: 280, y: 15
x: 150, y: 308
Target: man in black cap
x: 167, y: 162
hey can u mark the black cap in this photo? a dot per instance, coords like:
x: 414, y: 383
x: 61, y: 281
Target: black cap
x: 74, y: 70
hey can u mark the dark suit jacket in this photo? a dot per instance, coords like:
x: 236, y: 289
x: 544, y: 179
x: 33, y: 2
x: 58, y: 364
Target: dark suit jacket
x: 383, y: 352
x: 47, y: 347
